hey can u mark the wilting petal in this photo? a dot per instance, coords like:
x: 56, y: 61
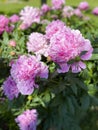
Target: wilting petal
x: 78, y: 66
x: 63, y: 68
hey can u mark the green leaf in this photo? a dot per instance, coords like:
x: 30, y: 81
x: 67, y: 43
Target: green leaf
x: 16, y: 35
x: 46, y: 97
x: 85, y: 102
x: 95, y: 50
x: 94, y: 57
x: 81, y: 84
x: 5, y: 38
x: 36, y: 100
x: 70, y: 105
x: 94, y: 100
x: 74, y: 88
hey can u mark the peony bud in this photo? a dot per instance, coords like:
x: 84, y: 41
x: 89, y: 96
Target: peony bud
x: 12, y: 43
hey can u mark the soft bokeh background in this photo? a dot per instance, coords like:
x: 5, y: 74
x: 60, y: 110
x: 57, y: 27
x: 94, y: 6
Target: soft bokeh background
x: 14, y: 6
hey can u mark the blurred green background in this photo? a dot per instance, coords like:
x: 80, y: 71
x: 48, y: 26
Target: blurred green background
x: 9, y: 7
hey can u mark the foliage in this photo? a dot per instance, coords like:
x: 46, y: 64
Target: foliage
x: 63, y: 100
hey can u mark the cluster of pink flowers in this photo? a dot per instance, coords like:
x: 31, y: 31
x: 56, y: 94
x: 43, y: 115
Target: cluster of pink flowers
x: 27, y: 120
x: 95, y: 11
x: 57, y: 4
x: 66, y: 46
x: 37, y: 44
x: 6, y: 23
x: 83, y: 5
x: 28, y: 16
x: 63, y: 46
x: 53, y: 28
x: 68, y: 11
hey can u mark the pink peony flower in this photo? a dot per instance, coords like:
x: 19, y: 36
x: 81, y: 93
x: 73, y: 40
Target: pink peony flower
x: 66, y: 46
x: 45, y: 8
x: 4, y: 21
x: 68, y: 11
x: 57, y: 4
x: 95, y: 11
x: 10, y: 88
x: 78, y: 12
x: 30, y: 15
x: 14, y: 18
x: 27, y: 120
x: 41, y: 42
x: 25, y: 70
x: 83, y: 6
x: 53, y: 28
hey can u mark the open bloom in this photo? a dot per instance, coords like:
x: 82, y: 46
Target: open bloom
x: 4, y: 21
x: 44, y: 9
x: 24, y: 72
x: 30, y: 15
x: 57, y: 4
x: 10, y: 88
x: 27, y: 120
x: 68, y: 11
x: 38, y: 44
x: 67, y: 48
x: 95, y: 11
x: 14, y: 18
x: 83, y: 6
x: 53, y: 28
x: 78, y: 12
